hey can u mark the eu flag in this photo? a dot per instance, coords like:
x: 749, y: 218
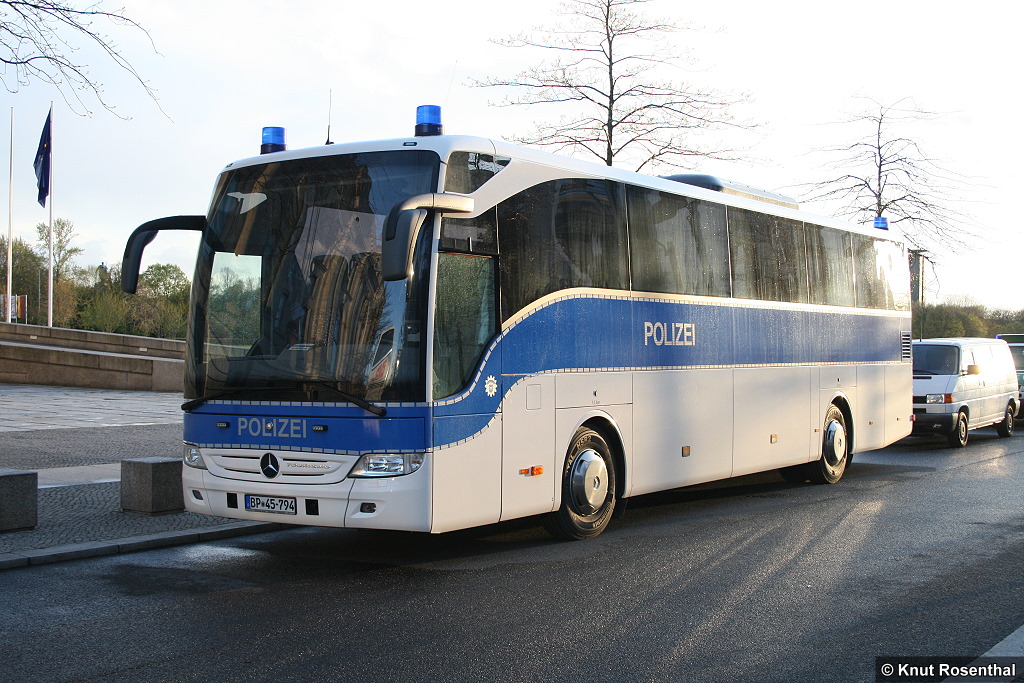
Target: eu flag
x: 42, y: 162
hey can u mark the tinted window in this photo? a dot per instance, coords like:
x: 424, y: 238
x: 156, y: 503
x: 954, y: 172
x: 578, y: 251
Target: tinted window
x: 561, y: 234
x: 476, y: 235
x: 882, y: 274
x: 464, y: 319
x: 768, y: 260
x: 679, y: 245
x: 467, y: 171
x: 830, y: 266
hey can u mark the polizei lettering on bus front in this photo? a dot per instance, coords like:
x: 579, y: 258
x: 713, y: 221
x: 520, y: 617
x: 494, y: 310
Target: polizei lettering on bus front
x: 669, y: 334
x: 272, y: 426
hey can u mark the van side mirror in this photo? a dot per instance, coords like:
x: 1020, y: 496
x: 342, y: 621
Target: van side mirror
x: 973, y: 369
x: 142, y: 236
x: 402, y: 227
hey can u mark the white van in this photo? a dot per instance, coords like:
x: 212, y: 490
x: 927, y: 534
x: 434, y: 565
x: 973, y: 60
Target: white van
x: 962, y: 384
x: 1016, y: 344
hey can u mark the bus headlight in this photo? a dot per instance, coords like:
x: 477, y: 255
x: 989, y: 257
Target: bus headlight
x: 939, y: 398
x: 193, y: 457
x: 386, y: 464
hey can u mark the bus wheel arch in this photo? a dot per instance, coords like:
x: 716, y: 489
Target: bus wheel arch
x: 590, y: 481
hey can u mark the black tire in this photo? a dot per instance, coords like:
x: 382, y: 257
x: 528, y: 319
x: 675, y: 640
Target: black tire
x: 958, y: 437
x: 588, y: 489
x: 1005, y: 428
x: 835, y: 449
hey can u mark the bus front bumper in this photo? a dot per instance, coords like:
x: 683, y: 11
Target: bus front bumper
x: 397, y: 503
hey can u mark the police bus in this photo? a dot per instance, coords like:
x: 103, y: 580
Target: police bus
x: 439, y: 332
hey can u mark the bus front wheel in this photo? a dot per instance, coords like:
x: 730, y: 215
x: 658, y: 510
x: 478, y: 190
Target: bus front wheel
x: 835, y: 449
x: 588, y: 489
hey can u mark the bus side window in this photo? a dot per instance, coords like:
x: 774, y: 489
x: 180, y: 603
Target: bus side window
x: 830, y: 261
x: 465, y: 318
x: 678, y: 244
x: 768, y: 257
x: 561, y: 234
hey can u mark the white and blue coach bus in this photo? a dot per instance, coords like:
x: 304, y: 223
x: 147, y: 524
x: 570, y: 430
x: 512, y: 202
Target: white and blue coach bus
x: 441, y: 332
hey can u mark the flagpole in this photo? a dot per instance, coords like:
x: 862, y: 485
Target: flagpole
x: 10, y: 216
x: 49, y: 302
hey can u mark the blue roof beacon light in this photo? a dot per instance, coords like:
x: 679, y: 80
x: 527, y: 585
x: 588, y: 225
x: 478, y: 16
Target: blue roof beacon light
x: 428, y: 120
x: 273, y: 140
x: 881, y: 222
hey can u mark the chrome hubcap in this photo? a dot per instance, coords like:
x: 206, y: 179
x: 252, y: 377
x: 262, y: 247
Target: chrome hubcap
x: 588, y: 482
x: 835, y: 443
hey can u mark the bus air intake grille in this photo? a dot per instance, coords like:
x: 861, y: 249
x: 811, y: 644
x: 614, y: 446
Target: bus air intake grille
x: 906, y: 346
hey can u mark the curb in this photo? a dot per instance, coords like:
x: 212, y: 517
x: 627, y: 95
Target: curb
x: 164, y: 539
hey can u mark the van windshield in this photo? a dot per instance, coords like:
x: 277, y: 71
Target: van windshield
x: 936, y: 359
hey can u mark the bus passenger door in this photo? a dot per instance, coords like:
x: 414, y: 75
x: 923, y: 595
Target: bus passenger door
x: 529, y: 472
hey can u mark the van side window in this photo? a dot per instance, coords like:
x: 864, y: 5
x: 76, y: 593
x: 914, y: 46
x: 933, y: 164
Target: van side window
x: 967, y: 359
x: 983, y: 357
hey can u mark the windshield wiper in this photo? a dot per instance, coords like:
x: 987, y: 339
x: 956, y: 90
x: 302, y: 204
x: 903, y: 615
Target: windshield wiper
x: 379, y: 411
x: 362, y: 403
x: 196, y: 402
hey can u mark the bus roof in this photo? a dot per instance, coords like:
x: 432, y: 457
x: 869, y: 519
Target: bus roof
x: 698, y: 186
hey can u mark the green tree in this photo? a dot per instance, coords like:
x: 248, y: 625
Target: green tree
x: 106, y: 311
x: 165, y: 280
x: 63, y: 252
x: 28, y: 277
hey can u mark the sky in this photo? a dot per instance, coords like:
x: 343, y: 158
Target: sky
x: 223, y: 69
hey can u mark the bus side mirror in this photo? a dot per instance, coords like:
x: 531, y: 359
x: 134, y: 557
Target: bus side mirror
x: 973, y: 369
x: 142, y: 236
x: 400, y: 233
x: 402, y: 227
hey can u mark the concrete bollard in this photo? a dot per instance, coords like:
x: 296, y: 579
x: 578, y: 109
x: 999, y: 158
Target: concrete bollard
x: 19, y: 500
x: 151, y: 485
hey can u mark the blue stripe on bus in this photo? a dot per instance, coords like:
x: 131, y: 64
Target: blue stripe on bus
x: 578, y: 333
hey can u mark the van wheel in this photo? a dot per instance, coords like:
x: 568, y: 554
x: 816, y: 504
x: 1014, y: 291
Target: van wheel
x: 958, y: 437
x: 588, y: 489
x: 1005, y: 428
x: 835, y: 449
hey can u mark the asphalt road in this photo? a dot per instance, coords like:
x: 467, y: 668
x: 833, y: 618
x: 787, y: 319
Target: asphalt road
x: 919, y: 551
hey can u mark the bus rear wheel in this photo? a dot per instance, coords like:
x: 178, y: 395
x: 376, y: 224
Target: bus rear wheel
x: 835, y: 449
x: 588, y: 489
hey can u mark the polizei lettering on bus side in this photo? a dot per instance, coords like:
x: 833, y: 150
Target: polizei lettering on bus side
x: 272, y: 426
x: 670, y: 334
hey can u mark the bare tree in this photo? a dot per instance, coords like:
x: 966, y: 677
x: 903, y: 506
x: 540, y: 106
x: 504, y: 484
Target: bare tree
x: 883, y: 173
x: 38, y: 42
x: 605, y: 56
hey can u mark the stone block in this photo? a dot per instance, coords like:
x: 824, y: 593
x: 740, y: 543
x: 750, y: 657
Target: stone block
x: 151, y: 485
x: 19, y: 500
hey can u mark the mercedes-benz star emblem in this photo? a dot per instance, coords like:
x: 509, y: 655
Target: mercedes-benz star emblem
x: 269, y: 465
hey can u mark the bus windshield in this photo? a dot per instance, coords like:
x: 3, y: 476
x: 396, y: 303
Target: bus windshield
x: 289, y: 302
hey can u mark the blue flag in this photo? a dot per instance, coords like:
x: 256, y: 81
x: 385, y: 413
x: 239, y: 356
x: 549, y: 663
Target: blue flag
x: 42, y: 162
